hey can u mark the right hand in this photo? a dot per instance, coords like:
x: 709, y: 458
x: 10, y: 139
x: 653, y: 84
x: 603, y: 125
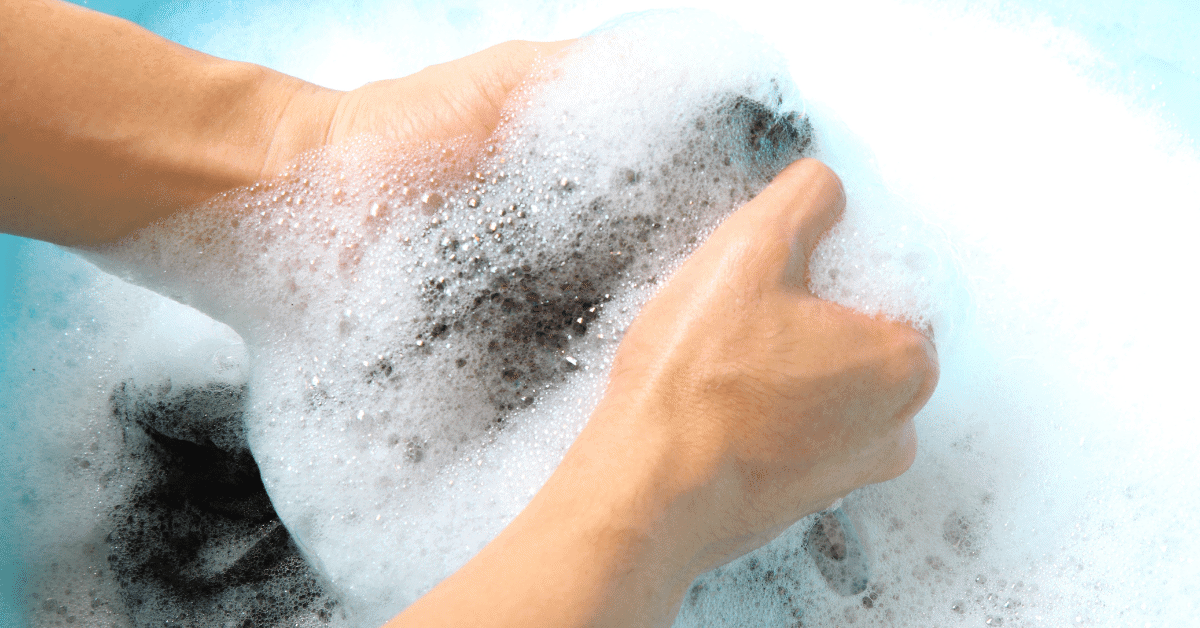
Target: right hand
x: 759, y: 402
x: 738, y: 402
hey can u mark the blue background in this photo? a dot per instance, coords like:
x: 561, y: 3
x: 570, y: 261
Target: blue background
x: 10, y: 247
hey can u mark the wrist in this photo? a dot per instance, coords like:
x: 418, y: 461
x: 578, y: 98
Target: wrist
x: 111, y: 128
x: 613, y: 515
x: 628, y: 472
x: 604, y: 543
x: 691, y: 483
x: 300, y: 118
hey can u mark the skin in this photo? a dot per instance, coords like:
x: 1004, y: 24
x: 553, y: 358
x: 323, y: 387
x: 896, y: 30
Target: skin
x: 738, y: 402
x: 106, y: 128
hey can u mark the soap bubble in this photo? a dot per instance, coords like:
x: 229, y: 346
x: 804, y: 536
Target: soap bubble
x: 998, y: 198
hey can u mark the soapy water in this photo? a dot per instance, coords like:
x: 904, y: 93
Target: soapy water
x: 1052, y: 486
x: 429, y: 339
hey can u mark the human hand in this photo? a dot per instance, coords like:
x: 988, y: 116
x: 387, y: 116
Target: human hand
x: 737, y: 403
x: 760, y: 402
x: 459, y: 101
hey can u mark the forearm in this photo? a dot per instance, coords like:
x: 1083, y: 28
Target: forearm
x: 602, y: 544
x: 106, y: 127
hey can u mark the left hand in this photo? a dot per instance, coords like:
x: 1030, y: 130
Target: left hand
x: 460, y: 100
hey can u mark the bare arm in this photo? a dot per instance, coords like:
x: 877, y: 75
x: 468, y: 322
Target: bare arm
x: 106, y: 127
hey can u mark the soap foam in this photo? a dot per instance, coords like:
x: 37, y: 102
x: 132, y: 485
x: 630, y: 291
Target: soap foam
x: 1055, y: 480
x: 429, y: 333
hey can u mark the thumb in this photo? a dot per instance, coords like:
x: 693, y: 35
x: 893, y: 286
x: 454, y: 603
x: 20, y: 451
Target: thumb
x: 780, y: 228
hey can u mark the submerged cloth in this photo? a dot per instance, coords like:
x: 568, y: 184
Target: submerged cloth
x: 198, y: 542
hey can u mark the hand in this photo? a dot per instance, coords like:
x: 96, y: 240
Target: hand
x: 738, y: 402
x: 108, y: 128
x: 460, y: 100
x: 764, y: 403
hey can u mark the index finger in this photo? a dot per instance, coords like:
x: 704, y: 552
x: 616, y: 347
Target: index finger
x: 785, y: 222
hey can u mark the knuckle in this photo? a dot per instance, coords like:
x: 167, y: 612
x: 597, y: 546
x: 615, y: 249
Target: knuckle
x: 821, y: 173
x: 822, y: 179
x: 911, y: 361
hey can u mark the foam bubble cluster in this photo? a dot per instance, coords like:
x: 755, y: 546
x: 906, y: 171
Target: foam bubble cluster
x: 431, y: 327
x: 419, y: 332
x: 892, y: 264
